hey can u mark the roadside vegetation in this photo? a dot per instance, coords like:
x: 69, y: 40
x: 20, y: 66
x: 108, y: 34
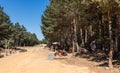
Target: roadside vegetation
x: 77, y: 23
x: 13, y: 35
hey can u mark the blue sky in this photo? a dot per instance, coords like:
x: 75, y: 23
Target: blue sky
x: 27, y: 13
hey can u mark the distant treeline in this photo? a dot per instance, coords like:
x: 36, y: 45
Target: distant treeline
x: 13, y: 35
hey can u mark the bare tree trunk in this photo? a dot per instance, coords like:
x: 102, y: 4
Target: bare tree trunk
x: 100, y: 30
x: 116, y: 43
x: 111, y: 55
x: 116, y: 33
x: 73, y: 48
x: 111, y: 43
x: 7, y: 48
x: 75, y: 35
x: 86, y: 34
x: 81, y: 34
x: 90, y: 28
x: 8, y: 43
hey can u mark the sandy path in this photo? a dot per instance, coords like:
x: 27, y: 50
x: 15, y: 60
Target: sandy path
x: 36, y: 61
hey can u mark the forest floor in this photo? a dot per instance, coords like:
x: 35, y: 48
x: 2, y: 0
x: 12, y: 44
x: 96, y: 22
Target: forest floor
x: 36, y: 60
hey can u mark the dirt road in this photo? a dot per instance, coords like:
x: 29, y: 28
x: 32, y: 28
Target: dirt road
x: 36, y: 61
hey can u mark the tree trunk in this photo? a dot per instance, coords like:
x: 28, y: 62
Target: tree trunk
x: 8, y: 43
x: 73, y: 48
x: 81, y: 34
x: 111, y: 55
x: 15, y: 41
x: 100, y: 30
x: 75, y: 35
x: 116, y: 43
x: 116, y: 33
x: 86, y: 34
x: 7, y: 47
x: 111, y: 42
x: 90, y: 28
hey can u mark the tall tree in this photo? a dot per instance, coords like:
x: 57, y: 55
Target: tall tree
x: 4, y: 24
